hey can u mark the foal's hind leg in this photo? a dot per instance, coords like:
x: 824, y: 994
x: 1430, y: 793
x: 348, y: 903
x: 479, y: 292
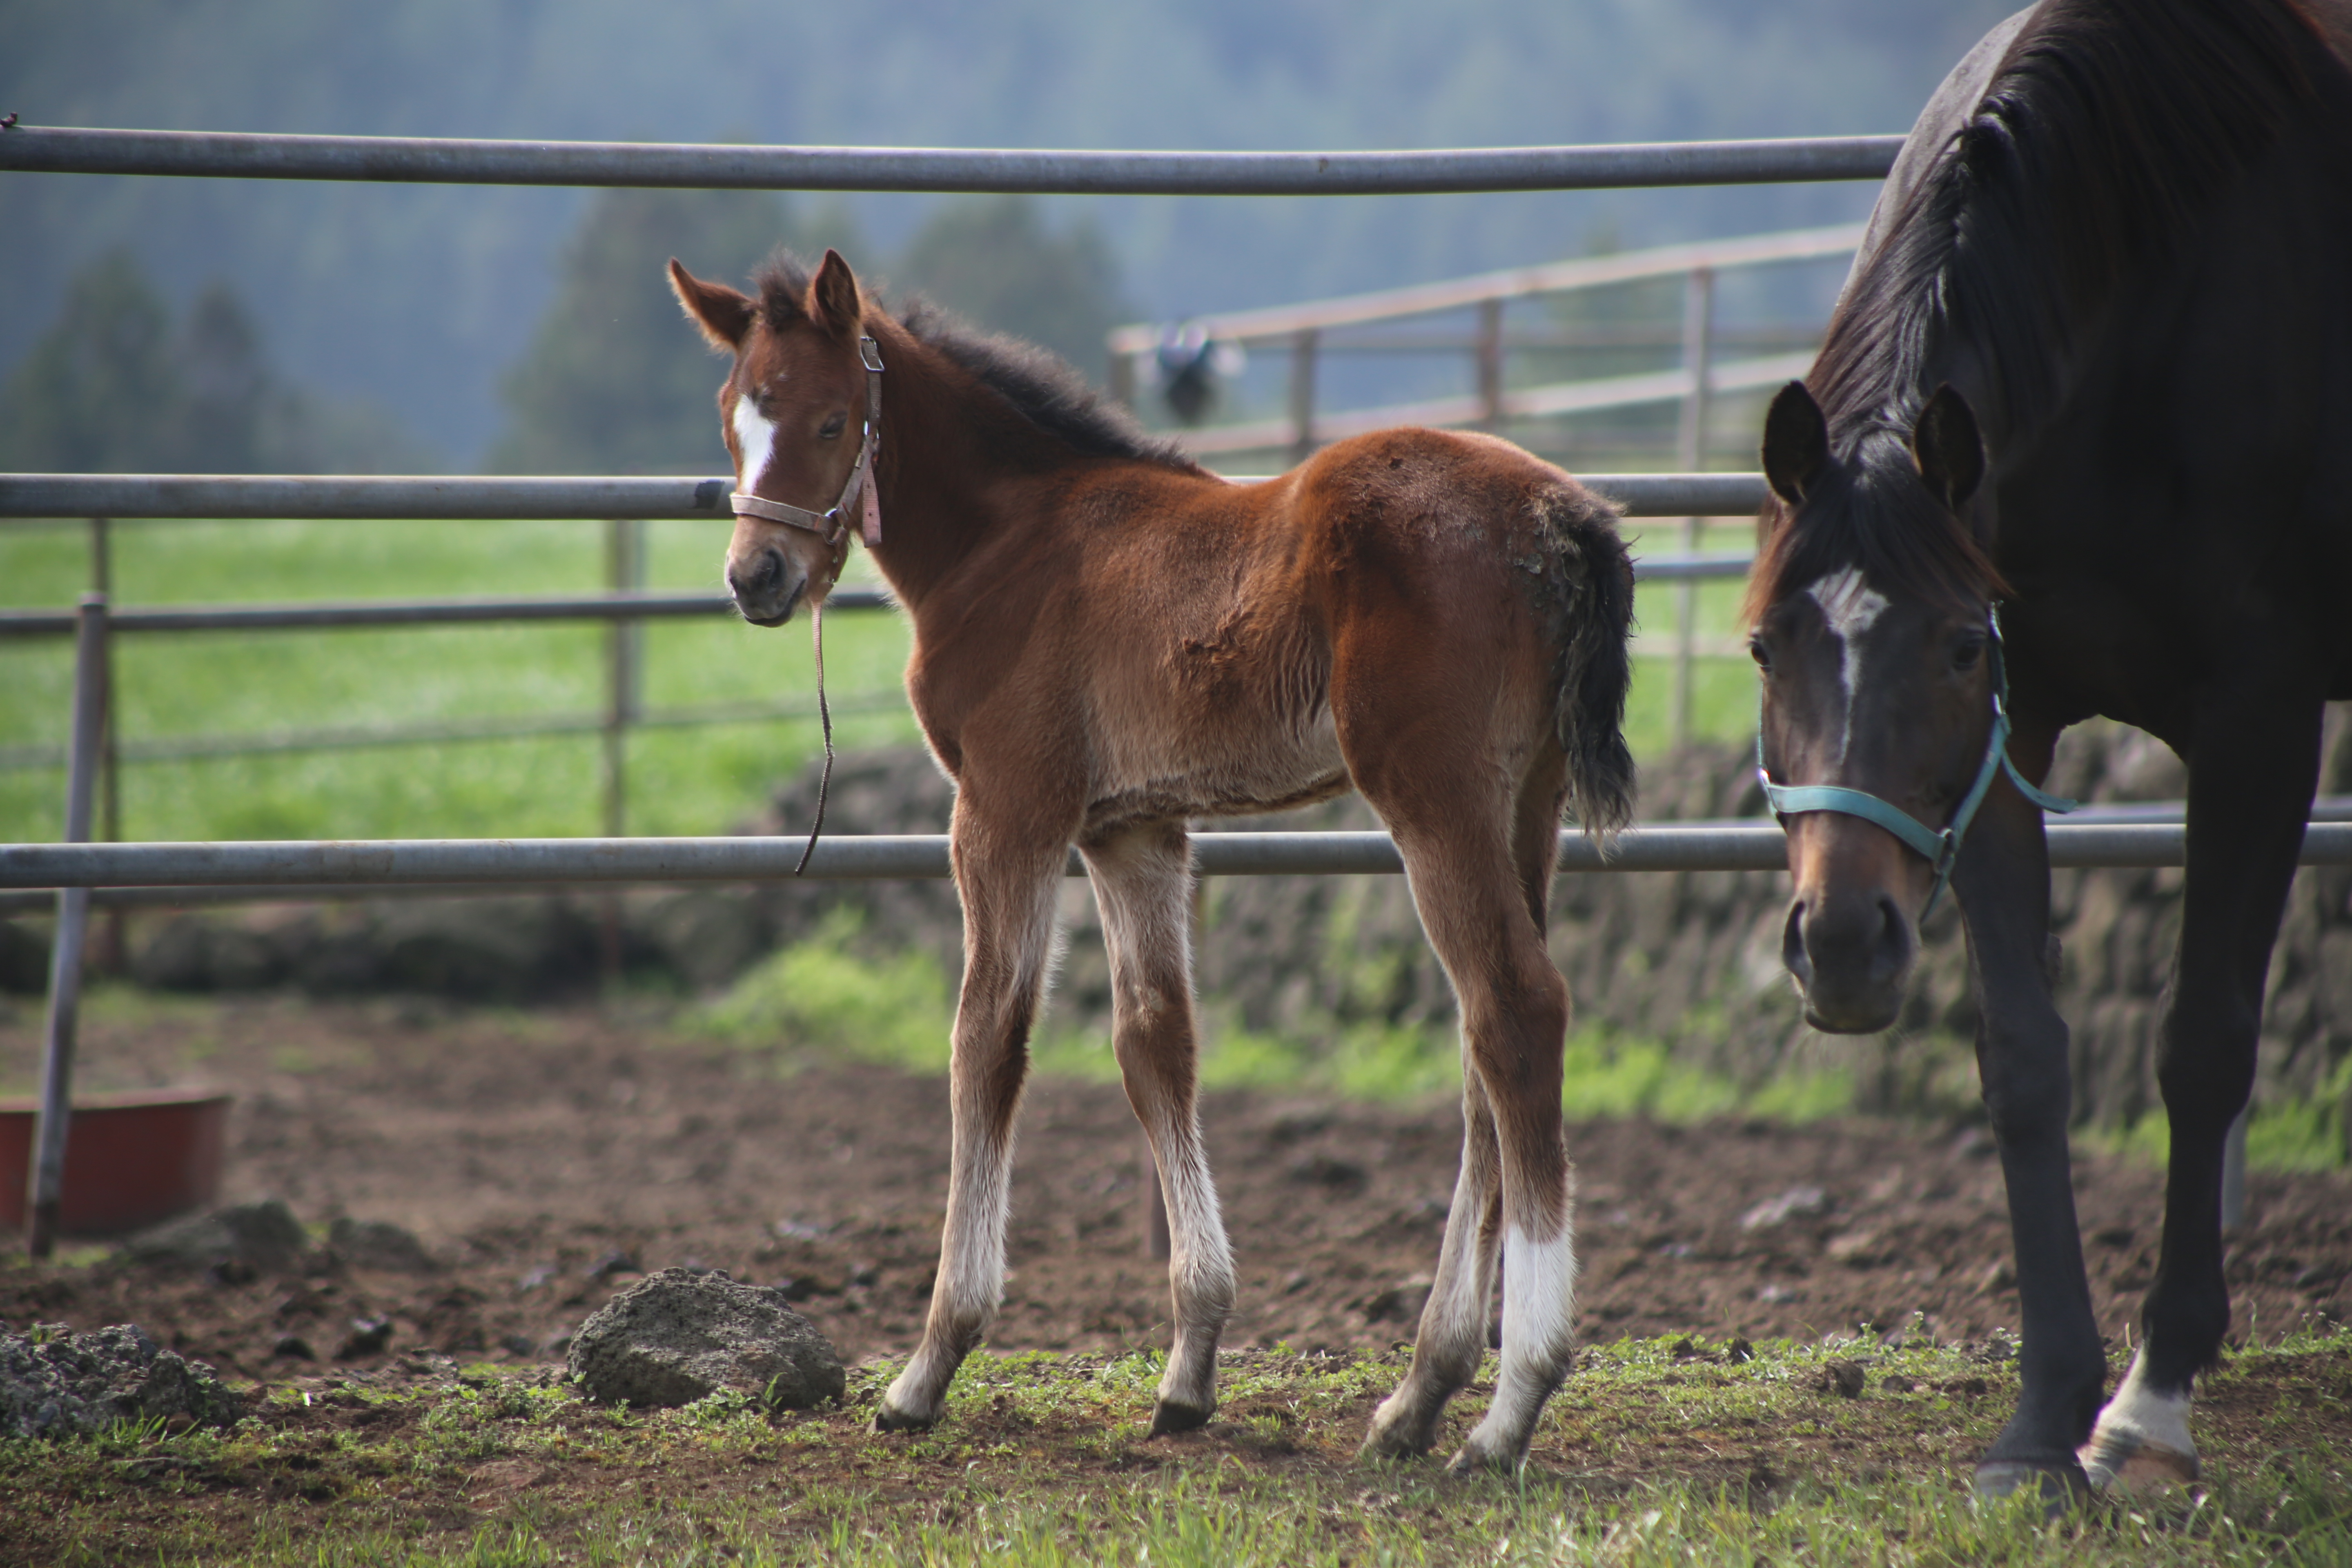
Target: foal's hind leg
x: 1453, y: 1333
x: 1007, y: 891
x: 1472, y: 882
x: 1143, y: 880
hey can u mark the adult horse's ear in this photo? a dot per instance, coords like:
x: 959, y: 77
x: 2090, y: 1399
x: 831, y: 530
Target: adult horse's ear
x: 1796, y: 443
x: 724, y: 316
x: 834, y: 302
x: 1946, y: 445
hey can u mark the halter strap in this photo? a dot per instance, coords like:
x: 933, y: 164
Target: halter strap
x: 1939, y: 849
x: 828, y: 525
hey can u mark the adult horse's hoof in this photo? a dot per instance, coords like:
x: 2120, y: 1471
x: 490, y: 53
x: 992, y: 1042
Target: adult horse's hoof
x: 2124, y: 1460
x: 1168, y: 1417
x: 2060, y: 1487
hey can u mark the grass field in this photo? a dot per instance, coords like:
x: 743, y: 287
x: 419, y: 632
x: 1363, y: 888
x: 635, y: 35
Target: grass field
x: 1655, y: 1452
x: 681, y: 781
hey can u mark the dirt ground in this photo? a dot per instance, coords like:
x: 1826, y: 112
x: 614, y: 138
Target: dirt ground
x: 547, y: 1158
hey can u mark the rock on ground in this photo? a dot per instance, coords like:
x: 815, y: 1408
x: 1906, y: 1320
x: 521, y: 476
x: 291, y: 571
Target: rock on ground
x: 264, y: 1237
x: 683, y: 1334
x: 379, y: 1245
x: 58, y: 1384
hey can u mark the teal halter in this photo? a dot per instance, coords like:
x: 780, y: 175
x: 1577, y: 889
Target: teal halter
x: 1939, y: 849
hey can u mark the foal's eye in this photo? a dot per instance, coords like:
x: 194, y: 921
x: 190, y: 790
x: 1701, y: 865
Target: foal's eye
x: 832, y: 428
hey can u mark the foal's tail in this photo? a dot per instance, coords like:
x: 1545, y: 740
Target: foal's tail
x: 1590, y: 579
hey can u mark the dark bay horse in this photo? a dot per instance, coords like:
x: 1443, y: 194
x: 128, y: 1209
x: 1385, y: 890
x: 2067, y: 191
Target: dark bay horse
x: 1109, y: 641
x: 2094, y: 368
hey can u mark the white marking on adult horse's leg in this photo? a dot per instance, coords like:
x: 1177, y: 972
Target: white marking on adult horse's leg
x: 1008, y: 938
x: 1453, y: 1333
x: 755, y: 438
x: 1850, y: 606
x: 1143, y: 883
x: 1538, y: 1341
x: 2141, y: 1438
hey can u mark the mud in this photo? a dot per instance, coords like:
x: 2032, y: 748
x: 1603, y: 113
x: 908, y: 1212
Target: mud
x: 549, y: 1159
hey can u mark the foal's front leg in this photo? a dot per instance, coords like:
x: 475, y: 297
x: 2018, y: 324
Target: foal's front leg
x: 1007, y: 891
x: 1143, y: 882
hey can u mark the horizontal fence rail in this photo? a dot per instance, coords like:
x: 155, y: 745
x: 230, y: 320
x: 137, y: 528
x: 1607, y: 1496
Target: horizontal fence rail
x: 428, y: 498
x: 446, y: 160
x: 1697, y: 847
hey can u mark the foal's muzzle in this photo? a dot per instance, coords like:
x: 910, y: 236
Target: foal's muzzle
x: 762, y: 594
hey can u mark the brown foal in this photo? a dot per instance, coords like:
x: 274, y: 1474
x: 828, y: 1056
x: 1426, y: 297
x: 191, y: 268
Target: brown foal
x: 1110, y: 641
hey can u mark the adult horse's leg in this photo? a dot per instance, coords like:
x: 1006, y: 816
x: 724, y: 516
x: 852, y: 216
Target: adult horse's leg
x: 1452, y: 1333
x: 1006, y: 881
x: 1471, y: 892
x: 2254, y: 762
x: 2002, y: 880
x: 1143, y: 882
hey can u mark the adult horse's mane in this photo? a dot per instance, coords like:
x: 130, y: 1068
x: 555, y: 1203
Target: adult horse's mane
x: 2103, y: 136
x: 1037, y: 384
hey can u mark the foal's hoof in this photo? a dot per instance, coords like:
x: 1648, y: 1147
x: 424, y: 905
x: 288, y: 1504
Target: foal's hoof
x: 1475, y: 1458
x: 1394, y: 1440
x: 1171, y: 1416
x: 888, y: 1417
x: 2059, y: 1486
x: 2128, y: 1462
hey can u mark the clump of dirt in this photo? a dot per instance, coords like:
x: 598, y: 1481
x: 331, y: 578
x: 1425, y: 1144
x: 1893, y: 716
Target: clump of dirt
x: 55, y: 1383
x: 549, y: 1161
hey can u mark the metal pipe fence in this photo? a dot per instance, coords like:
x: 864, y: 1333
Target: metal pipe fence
x: 451, y: 161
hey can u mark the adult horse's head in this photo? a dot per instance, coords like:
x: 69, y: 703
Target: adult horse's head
x: 1871, y: 612
x: 798, y: 413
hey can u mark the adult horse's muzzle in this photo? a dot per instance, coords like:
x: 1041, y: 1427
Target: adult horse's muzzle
x: 1850, y: 941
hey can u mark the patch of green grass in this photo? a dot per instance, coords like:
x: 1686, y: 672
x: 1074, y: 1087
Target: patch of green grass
x: 2306, y: 1134
x: 1655, y: 1453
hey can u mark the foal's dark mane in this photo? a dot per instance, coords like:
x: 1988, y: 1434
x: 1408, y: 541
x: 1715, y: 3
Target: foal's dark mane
x: 1039, y: 386
x: 2105, y: 133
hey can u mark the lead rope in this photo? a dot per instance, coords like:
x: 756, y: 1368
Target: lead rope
x: 824, y: 717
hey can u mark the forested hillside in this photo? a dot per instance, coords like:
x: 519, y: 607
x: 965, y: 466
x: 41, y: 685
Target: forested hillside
x: 421, y: 300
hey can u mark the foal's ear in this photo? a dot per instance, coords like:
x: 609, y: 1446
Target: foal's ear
x: 1796, y: 443
x: 724, y: 316
x: 1948, y: 448
x: 834, y: 302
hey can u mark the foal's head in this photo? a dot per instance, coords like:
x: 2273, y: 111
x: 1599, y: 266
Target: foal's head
x: 793, y: 413
x: 1870, y: 606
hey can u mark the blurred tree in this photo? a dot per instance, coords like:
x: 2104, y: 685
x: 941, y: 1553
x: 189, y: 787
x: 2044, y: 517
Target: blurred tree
x: 994, y: 262
x: 112, y: 388
x: 99, y: 388
x: 615, y: 380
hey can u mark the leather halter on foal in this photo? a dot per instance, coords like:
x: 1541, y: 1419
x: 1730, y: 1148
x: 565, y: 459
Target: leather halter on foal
x: 828, y: 525
x: 1939, y: 849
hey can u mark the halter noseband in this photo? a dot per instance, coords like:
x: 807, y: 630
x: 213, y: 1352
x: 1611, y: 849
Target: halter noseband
x: 828, y: 525
x: 1939, y: 849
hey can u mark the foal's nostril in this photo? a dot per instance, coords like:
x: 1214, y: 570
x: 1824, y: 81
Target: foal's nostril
x: 765, y: 569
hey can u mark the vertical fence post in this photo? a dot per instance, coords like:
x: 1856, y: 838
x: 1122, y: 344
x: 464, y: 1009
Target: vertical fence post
x: 114, y: 945
x: 45, y: 1186
x: 1490, y: 362
x: 624, y: 645
x: 1690, y: 455
x: 1302, y: 394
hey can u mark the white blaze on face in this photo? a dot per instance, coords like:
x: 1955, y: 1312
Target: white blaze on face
x: 1848, y: 606
x: 755, y: 438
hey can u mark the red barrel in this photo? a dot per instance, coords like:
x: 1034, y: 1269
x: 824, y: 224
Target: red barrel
x: 132, y: 1159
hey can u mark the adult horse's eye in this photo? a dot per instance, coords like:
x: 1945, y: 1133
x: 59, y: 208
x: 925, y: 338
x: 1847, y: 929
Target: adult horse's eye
x: 1760, y: 654
x: 832, y: 428
x: 1968, y: 651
